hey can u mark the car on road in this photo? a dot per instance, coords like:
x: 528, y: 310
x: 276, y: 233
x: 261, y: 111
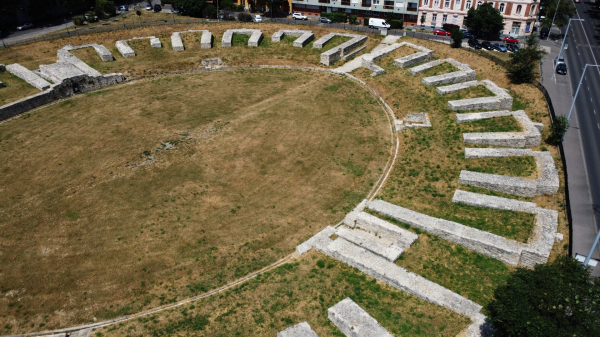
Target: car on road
x: 123, y: 8
x: 149, y: 7
x: 25, y: 26
x: 474, y: 44
x: 325, y: 20
x: 157, y: 8
x: 468, y: 35
x: 561, y: 69
x: 487, y: 45
x: 544, y: 33
x: 174, y: 10
x: 440, y: 31
x: 500, y: 47
x: 576, y: 1
x: 375, y: 23
x: 257, y: 18
x: 513, y: 48
x: 299, y: 16
x: 559, y: 60
x: 510, y: 39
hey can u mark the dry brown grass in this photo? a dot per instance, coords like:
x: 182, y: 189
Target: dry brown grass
x: 99, y: 218
x: 15, y: 88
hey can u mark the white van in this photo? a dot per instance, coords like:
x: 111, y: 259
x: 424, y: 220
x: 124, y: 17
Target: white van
x: 378, y: 23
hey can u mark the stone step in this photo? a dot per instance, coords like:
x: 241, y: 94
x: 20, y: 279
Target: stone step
x: 354, y: 321
x: 381, y: 228
x: 299, y: 330
x: 380, y: 246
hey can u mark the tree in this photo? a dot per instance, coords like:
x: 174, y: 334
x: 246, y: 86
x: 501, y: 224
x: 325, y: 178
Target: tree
x: 558, y: 129
x: 193, y: 8
x: 104, y: 8
x: 210, y: 12
x: 457, y: 36
x: 556, y: 299
x: 521, y: 67
x: 485, y: 19
x: 422, y: 20
x: 566, y: 10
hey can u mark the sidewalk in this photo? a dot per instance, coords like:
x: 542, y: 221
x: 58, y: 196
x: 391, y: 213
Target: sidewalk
x: 583, y: 226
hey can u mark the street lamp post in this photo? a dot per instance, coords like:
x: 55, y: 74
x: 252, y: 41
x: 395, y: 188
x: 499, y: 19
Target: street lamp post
x: 573, y: 104
x: 552, y: 24
x: 561, y: 46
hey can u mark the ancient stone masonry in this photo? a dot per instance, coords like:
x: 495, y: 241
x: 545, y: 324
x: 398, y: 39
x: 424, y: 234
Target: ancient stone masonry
x: 501, y: 100
x: 65, y: 55
x: 127, y: 51
x: 334, y: 54
x: 353, y: 321
x: 529, y: 136
x: 58, y: 71
x: 305, y: 36
x: 28, y: 76
x: 256, y: 36
x: 298, y: 330
x: 414, y: 120
x: 210, y: 63
x: 423, y: 55
x: 104, y: 53
x: 205, y: 40
x: 546, y: 183
x: 464, y: 73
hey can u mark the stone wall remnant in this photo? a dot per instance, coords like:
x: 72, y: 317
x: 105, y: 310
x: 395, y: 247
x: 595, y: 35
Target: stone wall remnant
x: 205, y: 39
x: 414, y: 120
x: 334, y: 54
x: 64, y: 55
x: 529, y: 136
x: 501, y: 100
x: 212, y: 62
x: 102, y: 51
x: 256, y: 36
x: 127, y: 51
x: 464, y: 73
x: 423, y: 55
x: 28, y: 76
x: 298, y: 330
x: 304, y: 36
x: 354, y: 321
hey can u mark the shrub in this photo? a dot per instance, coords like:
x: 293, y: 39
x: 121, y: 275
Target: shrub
x: 449, y: 27
x: 352, y: 19
x: 335, y: 17
x: 210, y: 12
x: 240, y: 8
x: 396, y: 24
x: 457, y: 37
x: 78, y: 20
x: 366, y: 21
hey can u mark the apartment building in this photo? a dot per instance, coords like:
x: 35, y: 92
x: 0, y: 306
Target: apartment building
x: 519, y: 16
x: 401, y: 9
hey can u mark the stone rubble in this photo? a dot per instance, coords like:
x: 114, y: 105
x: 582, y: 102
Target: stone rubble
x: 354, y: 321
x: 305, y: 36
x: 501, y: 100
x: 127, y: 51
x: 464, y: 73
x: 334, y: 54
x: 414, y: 120
x: 28, y: 76
x: 298, y: 330
x: 530, y: 135
x: 256, y: 36
x: 205, y: 39
x: 423, y: 55
x: 212, y: 62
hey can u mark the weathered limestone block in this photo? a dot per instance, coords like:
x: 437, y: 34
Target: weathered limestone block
x: 205, y: 39
x: 298, y: 330
x: 529, y: 136
x: 66, y: 56
x: 213, y: 62
x: 381, y: 228
x: 28, y: 76
x: 501, y: 100
x: 334, y: 54
x: 353, y: 321
x: 155, y: 42
x: 423, y: 55
x: 304, y: 36
x: 499, y: 183
x: 373, y: 243
x: 124, y: 49
x: 256, y: 36
x: 414, y: 120
x: 495, y: 153
x: 464, y: 73
x: 102, y: 51
x: 59, y: 71
x: 176, y: 42
x: 319, y: 241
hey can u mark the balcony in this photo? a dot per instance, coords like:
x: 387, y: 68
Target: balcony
x: 410, y: 9
x: 345, y: 2
x: 388, y: 7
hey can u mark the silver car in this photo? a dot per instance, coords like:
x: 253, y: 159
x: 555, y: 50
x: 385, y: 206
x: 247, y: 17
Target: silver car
x: 25, y: 26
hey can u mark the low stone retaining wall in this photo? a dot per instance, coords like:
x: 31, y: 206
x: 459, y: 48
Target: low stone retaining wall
x: 59, y: 71
x: 127, y: 51
x: 305, y: 36
x: 414, y: 120
x: 205, y: 40
x: 423, y: 55
x: 334, y: 54
x: 256, y: 36
x: 298, y: 330
x: 353, y: 321
x: 66, y: 88
x: 529, y: 137
x: 66, y: 56
x: 102, y: 51
x: 464, y: 73
x: 501, y: 100
x: 28, y: 76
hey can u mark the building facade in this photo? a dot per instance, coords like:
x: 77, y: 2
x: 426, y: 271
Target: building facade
x: 401, y: 9
x: 519, y: 16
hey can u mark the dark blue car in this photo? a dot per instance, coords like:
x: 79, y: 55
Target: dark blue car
x: 500, y: 47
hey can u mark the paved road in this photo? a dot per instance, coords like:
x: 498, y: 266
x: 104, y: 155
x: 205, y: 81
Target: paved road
x: 36, y: 31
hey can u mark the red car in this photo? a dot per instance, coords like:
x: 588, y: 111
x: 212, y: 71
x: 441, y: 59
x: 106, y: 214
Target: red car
x: 510, y: 39
x: 441, y: 32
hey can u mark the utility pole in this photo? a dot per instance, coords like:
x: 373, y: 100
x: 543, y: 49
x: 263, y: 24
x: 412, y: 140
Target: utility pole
x: 571, y: 111
x: 554, y: 17
x: 561, y: 47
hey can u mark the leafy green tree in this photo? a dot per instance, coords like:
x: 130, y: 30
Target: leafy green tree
x: 558, y: 129
x: 558, y: 299
x: 566, y: 10
x: 457, y: 36
x: 522, y: 64
x: 226, y: 4
x: 485, y: 19
x: 104, y: 8
x: 422, y: 20
x: 210, y: 12
x: 193, y: 8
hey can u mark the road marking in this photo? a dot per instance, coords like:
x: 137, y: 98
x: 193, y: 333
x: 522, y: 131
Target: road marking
x: 598, y: 125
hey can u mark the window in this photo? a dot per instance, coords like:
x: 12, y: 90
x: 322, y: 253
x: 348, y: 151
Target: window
x: 479, y: 3
x: 455, y: 19
x: 436, y: 3
x: 425, y: 2
x: 468, y: 5
x: 424, y: 17
x: 444, y: 18
x: 434, y: 17
x: 532, y: 12
x: 518, y: 11
x: 447, y: 3
x: 457, y: 5
x: 375, y: 2
x: 388, y: 3
x: 501, y: 9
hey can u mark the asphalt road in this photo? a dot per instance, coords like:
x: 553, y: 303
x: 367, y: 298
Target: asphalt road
x: 583, y: 47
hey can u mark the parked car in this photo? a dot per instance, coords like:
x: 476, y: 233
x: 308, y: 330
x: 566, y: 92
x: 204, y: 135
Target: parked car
x: 561, y: 69
x: 468, y: 35
x: 157, y: 8
x: 559, y: 60
x: 299, y: 16
x: 510, y: 39
x: 25, y: 26
x: 378, y: 23
x: 500, y: 47
x: 440, y: 31
x: 149, y: 7
x: 513, y: 48
x: 544, y: 33
x: 257, y: 18
x: 475, y: 44
x: 325, y: 20
x: 487, y: 45
x: 89, y: 17
x: 174, y: 10
x: 123, y: 8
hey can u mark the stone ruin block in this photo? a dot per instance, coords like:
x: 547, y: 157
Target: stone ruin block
x: 501, y: 100
x: 102, y: 51
x: 59, y: 71
x: 64, y: 55
x: 464, y: 73
x: 304, y: 36
x: 213, y: 62
x: 28, y: 76
x: 155, y: 42
x: 256, y: 36
x: 125, y: 49
x: 423, y: 55
x: 298, y: 330
x: 334, y: 54
x: 205, y: 39
x: 529, y: 136
x: 353, y: 321
x: 414, y: 120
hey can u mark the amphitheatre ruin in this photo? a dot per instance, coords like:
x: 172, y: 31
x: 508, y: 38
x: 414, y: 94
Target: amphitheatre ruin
x: 261, y: 180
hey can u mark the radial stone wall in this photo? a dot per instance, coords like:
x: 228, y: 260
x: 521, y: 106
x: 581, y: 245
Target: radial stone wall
x: 304, y: 37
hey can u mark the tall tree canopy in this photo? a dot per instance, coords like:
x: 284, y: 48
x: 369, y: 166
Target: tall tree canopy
x: 522, y: 64
x: 191, y: 7
x: 558, y: 299
x: 485, y: 19
x: 566, y: 10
